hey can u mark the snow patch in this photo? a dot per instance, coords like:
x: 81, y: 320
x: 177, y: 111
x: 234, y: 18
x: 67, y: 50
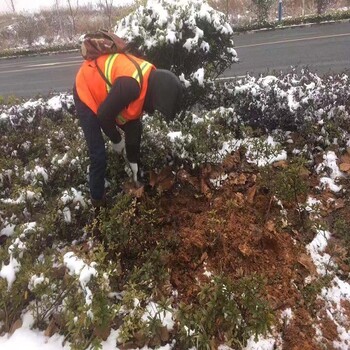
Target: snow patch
x: 316, y: 248
x: 84, y: 272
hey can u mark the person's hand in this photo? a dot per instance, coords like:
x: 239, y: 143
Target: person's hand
x: 119, y: 147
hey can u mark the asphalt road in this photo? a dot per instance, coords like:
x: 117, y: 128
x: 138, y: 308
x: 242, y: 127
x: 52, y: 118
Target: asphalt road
x: 323, y: 48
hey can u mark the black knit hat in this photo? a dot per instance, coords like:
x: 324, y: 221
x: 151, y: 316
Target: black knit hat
x: 166, y: 92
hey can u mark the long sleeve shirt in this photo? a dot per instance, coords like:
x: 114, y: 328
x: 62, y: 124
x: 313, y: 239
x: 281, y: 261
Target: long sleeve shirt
x: 123, y: 91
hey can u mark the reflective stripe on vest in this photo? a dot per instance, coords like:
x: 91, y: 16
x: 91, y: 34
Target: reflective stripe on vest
x: 144, y: 66
x: 121, y: 120
x: 109, y: 65
x: 108, y: 69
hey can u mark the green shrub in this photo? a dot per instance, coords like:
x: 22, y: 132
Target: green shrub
x: 224, y: 312
x: 197, y: 47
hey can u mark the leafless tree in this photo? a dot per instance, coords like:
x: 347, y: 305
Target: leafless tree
x: 321, y: 6
x: 58, y: 13
x: 73, y: 11
x: 11, y: 5
x: 107, y: 6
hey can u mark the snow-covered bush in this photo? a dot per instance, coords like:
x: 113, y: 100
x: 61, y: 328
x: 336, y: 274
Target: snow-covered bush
x: 313, y: 108
x: 317, y: 108
x: 50, y: 270
x: 188, y: 37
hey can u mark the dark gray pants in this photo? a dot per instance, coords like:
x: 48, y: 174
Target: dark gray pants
x: 96, y: 146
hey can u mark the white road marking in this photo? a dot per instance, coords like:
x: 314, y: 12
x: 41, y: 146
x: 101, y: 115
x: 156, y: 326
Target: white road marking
x: 52, y: 63
x: 294, y: 40
x: 78, y: 60
x: 36, y: 68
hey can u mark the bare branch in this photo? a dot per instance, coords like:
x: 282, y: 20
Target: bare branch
x: 73, y: 13
x: 11, y: 5
x: 107, y: 7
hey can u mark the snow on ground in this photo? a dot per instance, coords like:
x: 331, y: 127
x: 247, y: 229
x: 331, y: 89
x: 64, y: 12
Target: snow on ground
x: 339, y: 290
x: 29, y: 339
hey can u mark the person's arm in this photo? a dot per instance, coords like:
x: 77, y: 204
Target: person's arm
x: 122, y: 93
x: 133, y: 132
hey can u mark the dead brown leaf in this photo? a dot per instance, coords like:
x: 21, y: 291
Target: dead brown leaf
x: 231, y: 161
x: 336, y: 250
x: 241, y: 179
x: 102, y: 332
x: 253, y: 178
x: 164, y: 334
x: 140, y: 339
x: 51, y: 329
x: 280, y: 164
x: 165, y: 173
x: 305, y: 261
x: 245, y: 249
x: 344, y: 167
x: 251, y: 194
x: 239, y: 199
x: 204, y: 257
x: 164, y: 180
x: 155, y: 341
x: 133, y: 190
x: 304, y: 172
x: 345, y: 158
x: 205, y: 189
x: 156, y: 178
x: 270, y: 226
x: 139, y: 192
x: 16, y: 325
x: 166, y: 184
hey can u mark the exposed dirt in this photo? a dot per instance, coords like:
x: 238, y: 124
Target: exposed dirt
x: 299, y: 333
x: 329, y: 330
x: 237, y: 230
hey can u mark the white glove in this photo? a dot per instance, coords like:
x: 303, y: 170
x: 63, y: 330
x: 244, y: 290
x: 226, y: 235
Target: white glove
x: 134, y: 169
x: 119, y: 147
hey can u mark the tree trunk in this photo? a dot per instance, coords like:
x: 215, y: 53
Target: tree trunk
x: 11, y: 5
x: 321, y: 6
x: 73, y: 12
x: 57, y: 8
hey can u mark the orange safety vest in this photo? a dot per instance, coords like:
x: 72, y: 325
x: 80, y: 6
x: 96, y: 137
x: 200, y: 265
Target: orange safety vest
x: 92, y: 88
